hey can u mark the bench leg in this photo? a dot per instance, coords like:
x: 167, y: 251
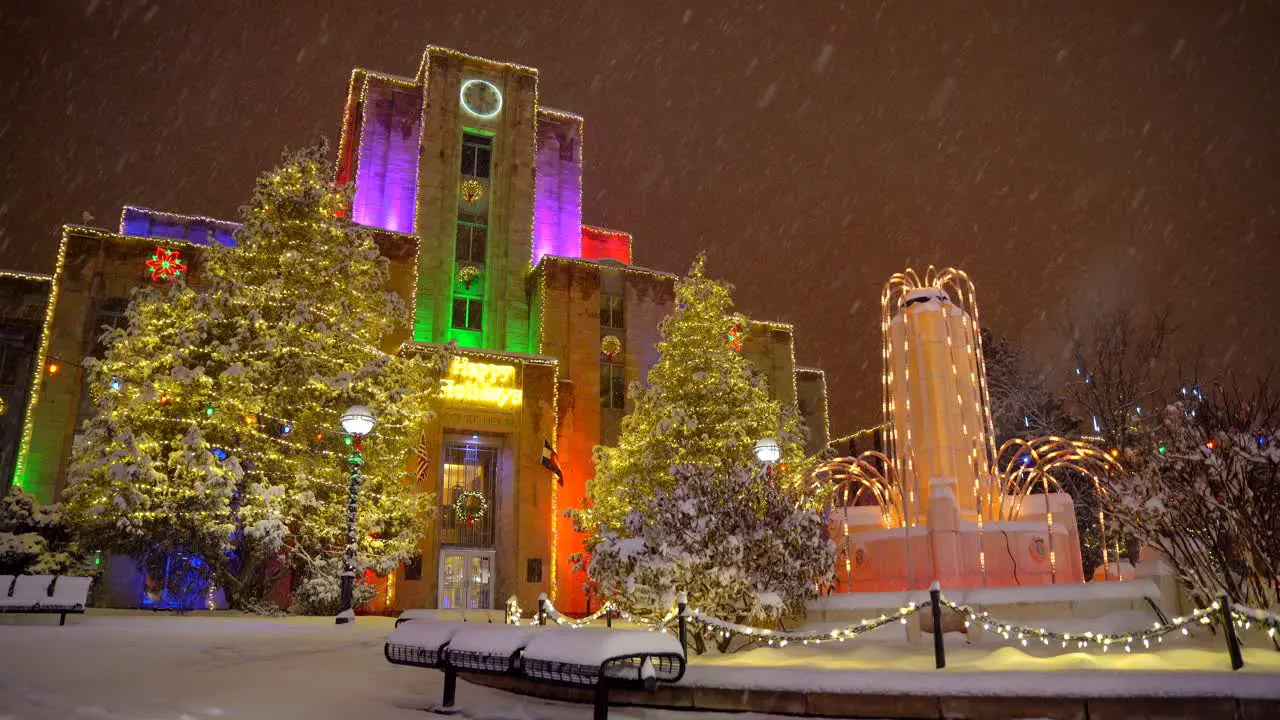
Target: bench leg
x: 602, y: 701
x: 62, y: 620
x: 450, y: 686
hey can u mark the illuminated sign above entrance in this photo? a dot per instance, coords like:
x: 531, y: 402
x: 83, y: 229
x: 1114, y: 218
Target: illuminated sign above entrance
x: 482, y: 384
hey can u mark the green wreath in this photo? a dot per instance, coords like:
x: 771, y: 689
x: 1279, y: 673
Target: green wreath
x: 475, y: 511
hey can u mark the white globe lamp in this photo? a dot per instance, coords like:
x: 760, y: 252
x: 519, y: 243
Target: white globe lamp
x: 358, y: 420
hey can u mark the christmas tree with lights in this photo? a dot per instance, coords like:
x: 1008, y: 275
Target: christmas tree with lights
x: 704, y: 404
x: 215, y: 436
x: 658, y: 516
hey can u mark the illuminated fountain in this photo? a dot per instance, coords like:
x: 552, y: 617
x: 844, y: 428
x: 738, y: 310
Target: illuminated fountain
x: 942, y: 502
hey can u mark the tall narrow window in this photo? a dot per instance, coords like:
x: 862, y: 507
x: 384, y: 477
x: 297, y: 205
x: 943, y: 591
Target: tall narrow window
x: 613, y: 386
x: 477, y: 154
x: 611, y: 312
x: 467, y: 313
x: 471, y: 242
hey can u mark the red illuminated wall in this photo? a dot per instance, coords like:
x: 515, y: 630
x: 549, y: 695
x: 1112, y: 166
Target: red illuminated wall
x: 600, y: 244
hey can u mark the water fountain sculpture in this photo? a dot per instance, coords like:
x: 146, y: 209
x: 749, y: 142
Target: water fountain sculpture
x: 942, y: 502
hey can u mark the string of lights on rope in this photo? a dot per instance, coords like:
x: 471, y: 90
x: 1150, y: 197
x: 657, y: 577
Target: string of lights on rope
x: 782, y: 638
x: 1245, y: 617
x: 1022, y: 633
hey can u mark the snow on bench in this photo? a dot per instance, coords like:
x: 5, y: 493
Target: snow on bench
x: 51, y: 594
x: 588, y: 656
x: 598, y: 658
x: 420, y: 644
x: 454, y: 615
x: 489, y: 648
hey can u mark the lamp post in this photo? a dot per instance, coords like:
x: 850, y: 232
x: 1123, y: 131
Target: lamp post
x: 767, y: 453
x: 357, y: 422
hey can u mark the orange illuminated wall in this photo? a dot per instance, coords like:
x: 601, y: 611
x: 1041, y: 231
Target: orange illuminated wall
x: 601, y: 244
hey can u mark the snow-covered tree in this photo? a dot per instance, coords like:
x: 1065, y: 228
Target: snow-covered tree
x: 744, y: 550
x: 1205, y: 492
x: 216, y: 426
x: 35, y: 539
x: 1022, y: 405
x: 704, y: 403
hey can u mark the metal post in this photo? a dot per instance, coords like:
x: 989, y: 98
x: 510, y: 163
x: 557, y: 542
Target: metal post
x: 608, y: 618
x: 450, y: 685
x: 345, y: 612
x: 935, y: 608
x: 682, y: 602
x: 1229, y: 629
x: 542, y: 609
x: 602, y: 700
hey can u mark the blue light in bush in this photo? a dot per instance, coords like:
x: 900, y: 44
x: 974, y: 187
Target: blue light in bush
x: 220, y: 453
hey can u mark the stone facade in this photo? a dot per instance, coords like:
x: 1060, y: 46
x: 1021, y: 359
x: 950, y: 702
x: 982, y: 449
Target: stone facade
x: 456, y: 167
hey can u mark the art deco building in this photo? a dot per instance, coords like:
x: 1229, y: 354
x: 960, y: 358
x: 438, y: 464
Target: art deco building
x: 473, y: 190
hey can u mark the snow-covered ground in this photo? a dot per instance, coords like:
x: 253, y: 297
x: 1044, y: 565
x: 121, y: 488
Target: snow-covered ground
x: 882, y: 661
x: 118, y: 666
x: 232, y: 667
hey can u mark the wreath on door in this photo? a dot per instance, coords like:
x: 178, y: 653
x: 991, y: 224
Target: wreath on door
x: 470, y: 506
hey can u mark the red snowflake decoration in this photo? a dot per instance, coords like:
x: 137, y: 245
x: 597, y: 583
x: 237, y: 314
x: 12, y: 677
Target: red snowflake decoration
x: 735, y: 338
x: 166, y: 265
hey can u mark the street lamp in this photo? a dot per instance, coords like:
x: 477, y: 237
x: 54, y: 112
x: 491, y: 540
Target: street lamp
x: 768, y: 453
x: 357, y: 422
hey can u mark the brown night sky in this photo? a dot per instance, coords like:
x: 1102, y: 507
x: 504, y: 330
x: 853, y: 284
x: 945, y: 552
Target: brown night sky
x: 1088, y: 154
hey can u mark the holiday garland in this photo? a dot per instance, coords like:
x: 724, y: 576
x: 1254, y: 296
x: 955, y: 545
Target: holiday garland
x: 470, y: 512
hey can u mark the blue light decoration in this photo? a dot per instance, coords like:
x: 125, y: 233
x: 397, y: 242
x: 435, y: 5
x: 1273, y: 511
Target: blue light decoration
x: 1262, y: 441
x: 115, y: 384
x: 220, y: 453
x: 1096, y: 426
x: 286, y: 429
x: 1026, y: 421
x: 156, y: 595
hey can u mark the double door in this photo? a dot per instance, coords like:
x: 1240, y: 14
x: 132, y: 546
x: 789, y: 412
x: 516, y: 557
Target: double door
x: 466, y: 579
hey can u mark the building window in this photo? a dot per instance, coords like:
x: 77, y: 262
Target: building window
x: 413, y: 569
x: 477, y: 153
x: 471, y: 242
x: 110, y: 314
x: 613, y: 386
x: 533, y: 570
x: 467, y: 313
x: 611, y: 312
x: 467, y: 495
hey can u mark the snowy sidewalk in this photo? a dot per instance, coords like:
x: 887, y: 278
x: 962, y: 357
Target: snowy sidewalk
x: 207, y: 667
x: 234, y: 667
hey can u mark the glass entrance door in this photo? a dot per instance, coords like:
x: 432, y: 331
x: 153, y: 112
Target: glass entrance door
x: 466, y: 579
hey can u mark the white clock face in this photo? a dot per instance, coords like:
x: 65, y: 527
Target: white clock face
x: 481, y: 98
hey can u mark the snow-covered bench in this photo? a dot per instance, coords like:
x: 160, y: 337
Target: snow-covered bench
x: 604, y: 658
x: 598, y: 658
x: 50, y: 594
x: 455, y: 615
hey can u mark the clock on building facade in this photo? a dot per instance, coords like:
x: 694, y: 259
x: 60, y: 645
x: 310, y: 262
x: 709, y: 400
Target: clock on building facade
x: 481, y: 98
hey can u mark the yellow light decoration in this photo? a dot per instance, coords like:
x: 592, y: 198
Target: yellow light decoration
x: 472, y: 191
x: 992, y: 484
x: 482, y: 384
x: 610, y: 345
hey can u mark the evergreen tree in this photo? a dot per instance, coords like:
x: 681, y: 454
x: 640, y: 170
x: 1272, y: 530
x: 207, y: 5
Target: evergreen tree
x: 704, y: 404
x: 35, y: 539
x: 744, y: 550
x: 216, y: 426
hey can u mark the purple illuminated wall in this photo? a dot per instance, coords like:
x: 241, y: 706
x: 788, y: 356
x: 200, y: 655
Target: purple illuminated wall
x: 387, y: 169
x: 144, y: 222
x: 557, y: 211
